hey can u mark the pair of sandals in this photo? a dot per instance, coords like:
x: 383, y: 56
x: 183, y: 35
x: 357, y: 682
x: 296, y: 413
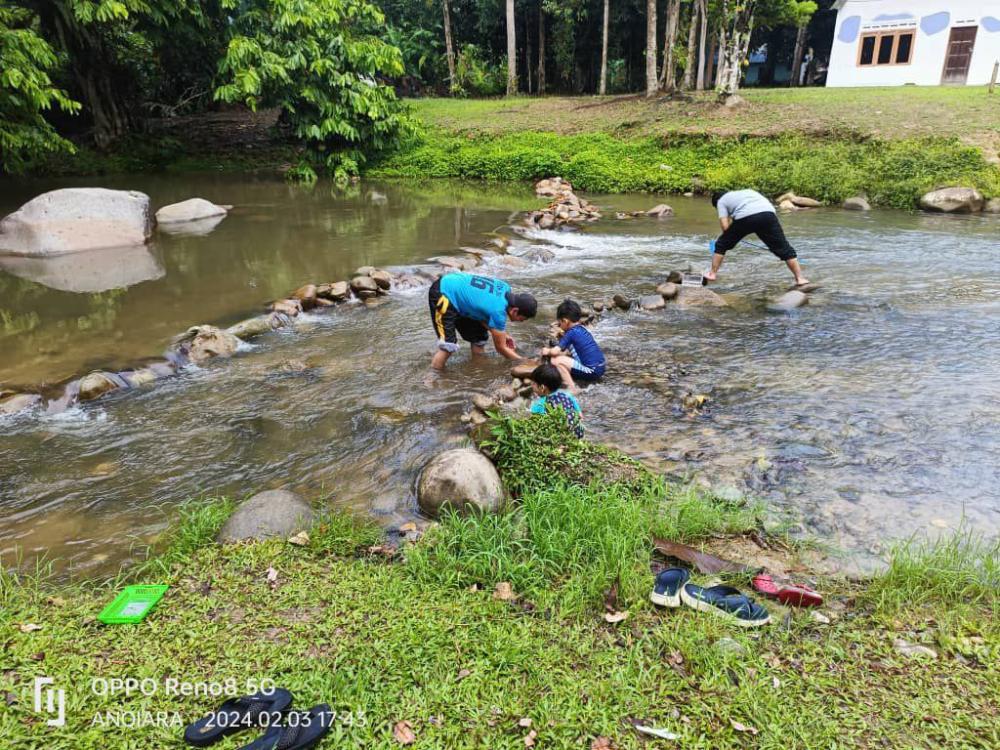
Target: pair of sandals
x: 672, y: 589
x: 284, y: 729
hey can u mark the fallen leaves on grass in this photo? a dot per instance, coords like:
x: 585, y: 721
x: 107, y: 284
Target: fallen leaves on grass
x: 525, y: 722
x: 612, y: 613
x: 28, y: 627
x: 663, y: 734
x: 462, y: 674
x: 272, y: 577
x: 299, y: 540
x: 742, y: 727
x: 703, y: 561
x: 504, y: 592
x: 602, y: 743
x: 529, y: 738
x: 615, y: 617
x: 403, y: 732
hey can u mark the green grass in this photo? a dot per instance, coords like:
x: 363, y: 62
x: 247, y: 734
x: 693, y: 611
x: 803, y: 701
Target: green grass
x: 420, y: 637
x: 384, y: 643
x: 968, y: 113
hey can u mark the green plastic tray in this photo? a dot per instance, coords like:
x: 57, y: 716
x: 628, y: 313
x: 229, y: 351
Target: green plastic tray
x: 132, y: 605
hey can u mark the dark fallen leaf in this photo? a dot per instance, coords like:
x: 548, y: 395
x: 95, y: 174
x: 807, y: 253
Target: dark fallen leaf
x: 9, y: 698
x: 602, y: 743
x: 611, y: 597
x: 703, y: 561
x: 40, y: 656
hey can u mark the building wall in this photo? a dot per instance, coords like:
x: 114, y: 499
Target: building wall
x: 932, y: 21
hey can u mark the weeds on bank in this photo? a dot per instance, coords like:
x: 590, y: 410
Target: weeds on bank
x: 892, y: 173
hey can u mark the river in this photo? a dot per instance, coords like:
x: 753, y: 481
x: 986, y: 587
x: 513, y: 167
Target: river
x: 866, y: 417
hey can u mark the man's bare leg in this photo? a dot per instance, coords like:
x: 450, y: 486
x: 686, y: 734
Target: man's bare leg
x: 716, y: 265
x: 478, y: 350
x: 440, y: 359
x: 793, y: 266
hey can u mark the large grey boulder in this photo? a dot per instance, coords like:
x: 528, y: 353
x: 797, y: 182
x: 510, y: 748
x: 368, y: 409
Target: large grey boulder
x: 267, y: 515
x: 789, y: 301
x: 992, y: 206
x: 954, y: 200
x: 74, y: 219
x: 857, y: 203
x: 193, y: 209
x: 460, y: 479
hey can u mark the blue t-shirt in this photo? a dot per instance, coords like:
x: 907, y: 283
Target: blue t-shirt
x: 478, y: 297
x: 579, y: 343
x: 567, y: 402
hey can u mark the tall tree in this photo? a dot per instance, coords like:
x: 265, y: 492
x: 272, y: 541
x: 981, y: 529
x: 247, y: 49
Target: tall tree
x: 688, y: 81
x: 651, y: 83
x: 449, y: 48
x: 703, y: 13
x: 604, y: 50
x: 668, y: 78
x: 511, y: 51
x: 737, y: 21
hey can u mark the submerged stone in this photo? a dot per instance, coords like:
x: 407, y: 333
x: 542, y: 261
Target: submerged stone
x: 96, y: 384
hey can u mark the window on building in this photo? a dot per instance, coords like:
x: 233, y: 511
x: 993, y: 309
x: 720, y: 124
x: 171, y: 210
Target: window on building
x: 886, y: 48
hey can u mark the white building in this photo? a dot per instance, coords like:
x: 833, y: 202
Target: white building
x: 922, y: 42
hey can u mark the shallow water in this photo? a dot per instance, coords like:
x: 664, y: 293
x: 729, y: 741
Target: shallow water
x: 867, y: 416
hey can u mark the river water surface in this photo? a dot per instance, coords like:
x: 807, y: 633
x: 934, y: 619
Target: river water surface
x: 870, y: 415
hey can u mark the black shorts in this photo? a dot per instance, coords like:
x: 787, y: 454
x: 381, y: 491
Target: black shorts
x: 448, y: 324
x: 766, y: 226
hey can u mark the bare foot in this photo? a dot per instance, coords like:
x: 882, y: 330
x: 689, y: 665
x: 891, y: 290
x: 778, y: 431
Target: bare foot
x: 710, y: 275
x: 801, y: 281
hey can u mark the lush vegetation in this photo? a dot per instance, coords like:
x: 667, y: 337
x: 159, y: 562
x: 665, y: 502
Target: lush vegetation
x: 892, y: 173
x: 427, y: 637
x: 322, y: 63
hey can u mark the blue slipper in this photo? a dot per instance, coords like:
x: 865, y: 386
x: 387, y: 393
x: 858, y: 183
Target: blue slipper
x: 726, y: 602
x: 667, y: 589
x: 297, y: 730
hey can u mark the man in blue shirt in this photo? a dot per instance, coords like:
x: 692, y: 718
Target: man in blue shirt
x: 477, y: 308
x: 745, y: 212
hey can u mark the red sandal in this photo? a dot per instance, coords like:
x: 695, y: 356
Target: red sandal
x: 793, y: 594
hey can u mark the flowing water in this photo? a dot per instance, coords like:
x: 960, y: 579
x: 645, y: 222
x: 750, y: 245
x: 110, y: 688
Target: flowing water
x: 867, y: 416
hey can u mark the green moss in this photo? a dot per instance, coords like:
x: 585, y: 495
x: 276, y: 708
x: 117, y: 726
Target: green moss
x: 892, y: 173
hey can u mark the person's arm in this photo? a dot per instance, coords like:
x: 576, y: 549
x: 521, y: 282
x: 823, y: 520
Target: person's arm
x: 725, y: 222
x: 500, y: 344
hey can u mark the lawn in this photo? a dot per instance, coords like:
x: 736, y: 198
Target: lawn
x: 968, y: 113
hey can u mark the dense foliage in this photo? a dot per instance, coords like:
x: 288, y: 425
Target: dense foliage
x: 323, y: 63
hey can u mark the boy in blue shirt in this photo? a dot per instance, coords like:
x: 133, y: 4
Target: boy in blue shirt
x: 546, y: 382
x: 578, y: 356
x: 477, y: 308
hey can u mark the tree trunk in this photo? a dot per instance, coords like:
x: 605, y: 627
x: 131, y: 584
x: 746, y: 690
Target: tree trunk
x: 688, y: 82
x: 541, y: 49
x: 800, y: 43
x: 738, y: 26
x: 668, y: 77
x: 449, y: 49
x: 604, y: 50
x: 511, y: 51
x: 527, y: 52
x: 703, y: 12
x: 651, y: 83
x: 710, y: 71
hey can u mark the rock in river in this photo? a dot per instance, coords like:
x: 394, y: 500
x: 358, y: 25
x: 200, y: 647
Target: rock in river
x: 337, y: 291
x: 667, y: 290
x: 857, y: 203
x: 698, y: 296
x: 652, y: 302
x: 74, y: 219
x: 789, y: 301
x: 462, y: 479
x: 954, y: 200
x: 205, y: 342
x: 306, y: 295
x: 18, y: 403
x: 364, y: 286
x: 662, y: 211
x: 193, y: 209
x: 96, y: 384
x: 266, y: 515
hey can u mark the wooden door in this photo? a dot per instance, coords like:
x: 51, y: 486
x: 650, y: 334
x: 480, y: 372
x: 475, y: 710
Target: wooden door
x: 959, y: 55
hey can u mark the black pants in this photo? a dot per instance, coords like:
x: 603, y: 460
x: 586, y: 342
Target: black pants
x: 447, y: 322
x: 766, y: 226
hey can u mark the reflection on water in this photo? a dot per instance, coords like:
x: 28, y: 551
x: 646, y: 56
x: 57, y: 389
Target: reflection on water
x: 90, y: 271
x: 869, y: 415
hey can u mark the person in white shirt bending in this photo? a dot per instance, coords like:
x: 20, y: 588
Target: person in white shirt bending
x: 745, y: 212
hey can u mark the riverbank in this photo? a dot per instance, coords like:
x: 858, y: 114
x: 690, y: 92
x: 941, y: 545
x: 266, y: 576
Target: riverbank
x: 617, y: 145
x: 425, y: 636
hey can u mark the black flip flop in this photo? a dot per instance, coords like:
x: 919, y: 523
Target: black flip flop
x: 297, y: 730
x: 236, y: 715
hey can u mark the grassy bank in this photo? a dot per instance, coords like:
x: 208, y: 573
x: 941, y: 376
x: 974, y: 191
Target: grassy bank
x: 418, y: 635
x: 892, y: 144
